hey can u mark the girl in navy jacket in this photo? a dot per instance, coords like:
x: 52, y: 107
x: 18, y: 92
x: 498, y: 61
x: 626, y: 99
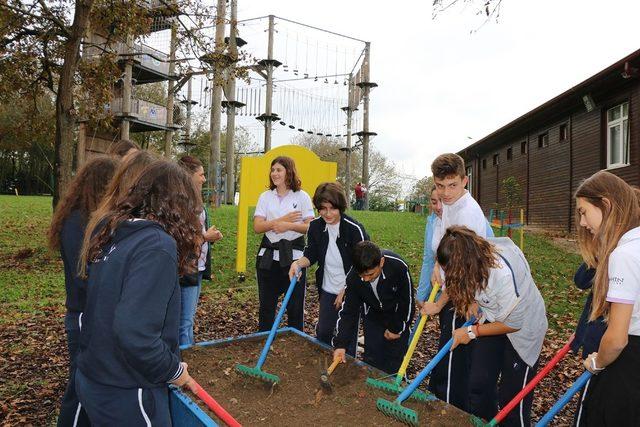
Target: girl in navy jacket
x: 129, y: 340
x: 330, y: 241
x: 65, y: 234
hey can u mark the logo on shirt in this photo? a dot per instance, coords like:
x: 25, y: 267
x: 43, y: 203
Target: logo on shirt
x: 295, y: 206
x: 616, y: 280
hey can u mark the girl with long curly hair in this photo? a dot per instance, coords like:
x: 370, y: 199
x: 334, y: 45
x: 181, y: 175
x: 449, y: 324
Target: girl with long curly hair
x: 65, y: 234
x: 283, y: 214
x: 493, y: 275
x: 129, y: 341
x: 608, y: 224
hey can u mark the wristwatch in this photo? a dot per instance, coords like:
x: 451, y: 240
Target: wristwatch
x: 470, y: 332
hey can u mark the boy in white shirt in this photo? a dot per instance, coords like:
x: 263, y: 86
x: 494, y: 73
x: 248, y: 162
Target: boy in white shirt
x: 449, y: 379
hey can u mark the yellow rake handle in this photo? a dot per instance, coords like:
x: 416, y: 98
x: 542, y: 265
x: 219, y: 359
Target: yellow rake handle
x: 416, y: 335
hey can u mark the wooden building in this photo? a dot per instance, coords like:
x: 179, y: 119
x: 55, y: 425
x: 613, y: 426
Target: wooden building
x: 551, y: 149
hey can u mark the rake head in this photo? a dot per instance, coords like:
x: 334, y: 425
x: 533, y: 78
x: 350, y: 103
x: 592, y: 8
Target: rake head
x: 257, y: 373
x: 478, y: 422
x: 395, y: 389
x: 397, y: 411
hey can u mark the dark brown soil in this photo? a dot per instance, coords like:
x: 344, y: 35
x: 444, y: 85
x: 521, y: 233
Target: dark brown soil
x: 298, y: 399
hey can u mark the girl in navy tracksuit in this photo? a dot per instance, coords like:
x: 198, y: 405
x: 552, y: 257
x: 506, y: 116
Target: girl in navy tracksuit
x: 129, y: 340
x: 330, y: 241
x: 66, y: 232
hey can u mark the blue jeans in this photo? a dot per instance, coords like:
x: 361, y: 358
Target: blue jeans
x: 189, y: 296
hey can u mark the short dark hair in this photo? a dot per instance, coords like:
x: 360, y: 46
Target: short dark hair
x: 330, y: 192
x: 190, y: 163
x: 122, y: 147
x: 366, y: 255
x: 292, y: 179
x: 448, y: 164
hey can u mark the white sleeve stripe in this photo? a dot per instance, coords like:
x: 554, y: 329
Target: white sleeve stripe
x: 398, y: 259
x: 357, y: 226
x: 177, y: 374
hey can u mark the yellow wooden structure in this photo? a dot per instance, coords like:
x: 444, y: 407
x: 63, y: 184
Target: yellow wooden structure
x: 254, y: 180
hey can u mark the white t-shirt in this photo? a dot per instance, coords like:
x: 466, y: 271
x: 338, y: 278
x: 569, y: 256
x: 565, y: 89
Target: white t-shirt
x: 334, y: 278
x: 374, y: 286
x: 270, y: 206
x: 624, y: 276
x: 464, y: 211
x: 202, y: 261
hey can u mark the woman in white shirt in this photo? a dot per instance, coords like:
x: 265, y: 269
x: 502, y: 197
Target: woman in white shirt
x: 283, y: 214
x: 494, y: 276
x: 608, y: 218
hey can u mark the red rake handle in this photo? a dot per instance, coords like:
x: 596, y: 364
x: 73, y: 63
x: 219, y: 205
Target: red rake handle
x: 215, y: 406
x: 534, y: 381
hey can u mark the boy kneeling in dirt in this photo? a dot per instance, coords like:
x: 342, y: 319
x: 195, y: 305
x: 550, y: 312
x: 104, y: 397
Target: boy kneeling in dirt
x: 380, y: 283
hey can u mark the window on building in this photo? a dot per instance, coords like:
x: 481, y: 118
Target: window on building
x: 484, y: 163
x: 564, y: 132
x: 543, y: 140
x: 523, y: 147
x: 510, y: 153
x: 496, y: 159
x: 470, y: 179
x: 618, y: 135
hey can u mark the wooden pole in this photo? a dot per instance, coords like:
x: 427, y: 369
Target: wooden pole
x: 269, y: 98
x: 365, y: 123
x: 231, y: 108
x: 168, y: 134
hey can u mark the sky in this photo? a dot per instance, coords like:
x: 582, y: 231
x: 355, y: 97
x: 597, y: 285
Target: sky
x: 448, y: 82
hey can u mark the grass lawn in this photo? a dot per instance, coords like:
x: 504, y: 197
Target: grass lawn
x: 31, y: 277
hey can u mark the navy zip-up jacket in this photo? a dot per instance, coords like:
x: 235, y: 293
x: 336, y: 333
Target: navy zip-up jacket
x: 395, y: 308
x: 351, y: 232
x: 71, y: 237
x: 588, y: 334
x: 129, y: 332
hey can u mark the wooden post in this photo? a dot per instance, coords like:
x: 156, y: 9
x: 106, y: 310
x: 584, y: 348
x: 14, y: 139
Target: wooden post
x: 168, y: 134
x: 231, y: 107
x: 365, y: 123
x: 269, y: 98
x: 522, y: 229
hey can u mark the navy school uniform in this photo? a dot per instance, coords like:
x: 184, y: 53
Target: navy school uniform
x: 392, y: 308
x: 71, y: 235
x: 129, y: 340
x: 350, y: 233
x: 588, y: 334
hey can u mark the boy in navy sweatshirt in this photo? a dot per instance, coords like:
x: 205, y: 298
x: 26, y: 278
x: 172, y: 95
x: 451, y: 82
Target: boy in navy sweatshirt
x: 129, y: 339
x: 379, y: 281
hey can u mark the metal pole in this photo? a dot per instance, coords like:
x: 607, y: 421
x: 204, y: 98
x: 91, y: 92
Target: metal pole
x: 216, y: 104
x: 365, y: 124
x: 168, y: 134
x: 347, y: 167
x: 231, y: 107
x: 268, y: 101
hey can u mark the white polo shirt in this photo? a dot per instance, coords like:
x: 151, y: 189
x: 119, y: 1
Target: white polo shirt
x: 271, y: 206
x: 464, y: 211
x: 334, y: 279
x: 624, y: 276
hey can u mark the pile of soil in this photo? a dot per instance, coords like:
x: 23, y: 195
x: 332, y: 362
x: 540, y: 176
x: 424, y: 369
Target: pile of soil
x: 299, y: 399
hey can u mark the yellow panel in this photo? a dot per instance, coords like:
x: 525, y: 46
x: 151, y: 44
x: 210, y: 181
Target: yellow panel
x: 254, y: 180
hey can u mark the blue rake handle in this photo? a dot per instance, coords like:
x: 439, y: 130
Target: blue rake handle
x: 427, y: 369
x: 276, y: 323
x: 575, y: 387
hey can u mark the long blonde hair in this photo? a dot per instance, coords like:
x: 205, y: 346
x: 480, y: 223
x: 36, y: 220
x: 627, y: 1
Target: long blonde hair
x: 619, y: 204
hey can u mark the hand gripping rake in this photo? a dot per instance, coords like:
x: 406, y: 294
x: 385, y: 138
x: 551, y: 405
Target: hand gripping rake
x: 395, y: 409
x: 396, y: 386
x: 577, y: 386
x: 256, y: 371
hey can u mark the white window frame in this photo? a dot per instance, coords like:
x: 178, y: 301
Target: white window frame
x: 623, y: 152
x: 470, y: 179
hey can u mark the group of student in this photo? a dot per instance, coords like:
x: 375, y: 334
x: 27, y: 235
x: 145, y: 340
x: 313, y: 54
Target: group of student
x: 135, y: 241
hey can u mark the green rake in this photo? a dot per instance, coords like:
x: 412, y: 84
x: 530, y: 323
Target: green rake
x: 256, y: 371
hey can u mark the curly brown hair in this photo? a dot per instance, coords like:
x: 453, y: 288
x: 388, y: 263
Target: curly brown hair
x: 332, y: 193
x: 448, y: 165
x: 84, y: 194
x: 292, y: 179
x: 466, y: 259
x: 164, y: 193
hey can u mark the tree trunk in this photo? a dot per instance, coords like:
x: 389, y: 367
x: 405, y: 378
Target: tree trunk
x: 65, y: 110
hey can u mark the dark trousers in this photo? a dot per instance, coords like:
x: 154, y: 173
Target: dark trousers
x: 492, y: 358
x: 113, y: 406
x: 327, y: 318
x: 450, y: 378
x: 271, y: 284
x: 580, y: 414
x: 380, y: 352
x: 71, y: 411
